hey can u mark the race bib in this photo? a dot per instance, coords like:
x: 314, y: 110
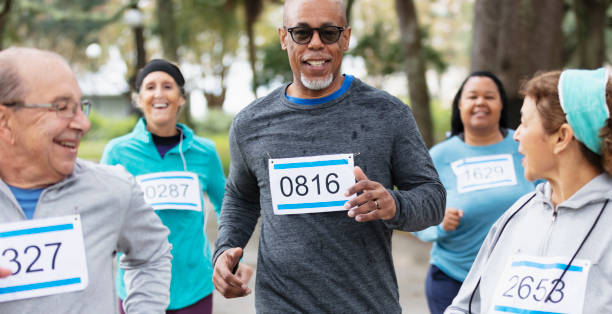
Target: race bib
x: 310, y: 184
x: 172, y: 190
x: 46, y: 256
x: 531, y: 285
x: 484, y: 172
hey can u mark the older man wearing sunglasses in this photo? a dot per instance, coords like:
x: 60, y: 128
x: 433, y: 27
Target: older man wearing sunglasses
x: 296, y: 155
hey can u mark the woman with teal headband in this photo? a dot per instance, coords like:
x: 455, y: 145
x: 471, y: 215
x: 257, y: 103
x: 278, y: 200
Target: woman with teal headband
x: 551, y: 252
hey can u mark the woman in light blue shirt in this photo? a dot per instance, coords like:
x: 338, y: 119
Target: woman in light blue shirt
x: 481, y: 170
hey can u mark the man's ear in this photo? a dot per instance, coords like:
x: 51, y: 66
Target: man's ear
x: 6, y: 133
x: 563, y: 138
x: 346, y: 36
x: 282, y: 33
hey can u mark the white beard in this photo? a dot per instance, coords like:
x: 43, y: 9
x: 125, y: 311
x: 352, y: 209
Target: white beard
x: 316, y: 84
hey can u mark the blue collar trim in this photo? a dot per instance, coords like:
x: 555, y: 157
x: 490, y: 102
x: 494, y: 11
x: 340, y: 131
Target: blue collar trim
x: 348, y: 80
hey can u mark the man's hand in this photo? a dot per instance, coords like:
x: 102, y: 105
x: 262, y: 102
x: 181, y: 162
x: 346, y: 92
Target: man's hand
x: 374, y: 203
x: 5, y: 272
x: 244, y: 272
x: 228, y: 284
x: 452, y: 216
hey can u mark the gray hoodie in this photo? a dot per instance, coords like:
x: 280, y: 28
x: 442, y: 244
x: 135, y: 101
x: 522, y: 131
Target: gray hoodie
x: 114, y: 217
x: 536, y: 231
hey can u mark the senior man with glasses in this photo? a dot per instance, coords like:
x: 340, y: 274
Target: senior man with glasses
x: 325, y: 244
x: 63, y: 219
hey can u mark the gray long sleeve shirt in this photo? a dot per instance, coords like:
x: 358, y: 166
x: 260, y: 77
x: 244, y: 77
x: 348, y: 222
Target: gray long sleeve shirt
x: 327, y: 262
x: 114, y: 217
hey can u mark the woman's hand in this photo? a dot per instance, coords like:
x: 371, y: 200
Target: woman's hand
x: 452, y: 216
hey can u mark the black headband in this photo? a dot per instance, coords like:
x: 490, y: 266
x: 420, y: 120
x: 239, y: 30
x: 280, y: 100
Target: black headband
x: 160, y: 65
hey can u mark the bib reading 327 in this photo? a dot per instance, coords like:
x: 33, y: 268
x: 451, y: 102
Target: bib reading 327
x: 46, y: 256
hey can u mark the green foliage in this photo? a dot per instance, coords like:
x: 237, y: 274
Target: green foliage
x: 66, y: 27
x: 105, y: 128
x: 222, y: 145
x: 441, y: 117
x: 92, y: 149
x: 211, y: 29
x: 384, y: 55
x: 274, y: 65
x: 216, y: 122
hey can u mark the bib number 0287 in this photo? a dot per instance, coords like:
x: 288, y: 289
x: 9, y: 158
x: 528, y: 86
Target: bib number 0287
x: 176, y: 190
x: 310, y: 184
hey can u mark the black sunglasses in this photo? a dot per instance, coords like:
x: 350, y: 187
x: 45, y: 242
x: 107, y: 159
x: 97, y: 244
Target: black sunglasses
x: 302, y: 35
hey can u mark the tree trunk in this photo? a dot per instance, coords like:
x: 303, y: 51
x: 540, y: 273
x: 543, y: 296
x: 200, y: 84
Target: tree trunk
x: 514, y: 40
x: 349, y: 8
x: 141, y: 57
x: 4, y: 14
x: 252, y: 10
x: 167, y: 29
x: 415, y: 67
x: 216, y: 101
x: 591, y: 26
x: 170, y: 45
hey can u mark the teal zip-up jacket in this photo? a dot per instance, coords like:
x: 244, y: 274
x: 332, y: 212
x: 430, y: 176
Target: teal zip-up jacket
x: 191, y: 266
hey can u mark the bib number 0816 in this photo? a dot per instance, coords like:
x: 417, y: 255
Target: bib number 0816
x: 313, y: 184
x: 299, y: 185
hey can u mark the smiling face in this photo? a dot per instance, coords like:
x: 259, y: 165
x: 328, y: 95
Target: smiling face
x: 315, y: 65
x: 534, y: 143
x: 160, y: 99
x: 44, y: 145
x: 480, y: 105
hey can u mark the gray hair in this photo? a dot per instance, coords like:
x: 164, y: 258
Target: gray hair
x: 12, y: 88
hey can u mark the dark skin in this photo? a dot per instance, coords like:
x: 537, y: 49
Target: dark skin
x: 364, y: 207
x: 374, y: 201
x: 228, y: 284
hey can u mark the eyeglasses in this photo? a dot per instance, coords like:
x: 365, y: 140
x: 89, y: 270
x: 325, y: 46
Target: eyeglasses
x: 302, y: 35
x: 64, y: 108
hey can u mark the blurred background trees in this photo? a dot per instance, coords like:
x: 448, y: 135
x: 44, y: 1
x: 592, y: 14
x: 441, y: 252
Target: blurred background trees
x: 418, y: 50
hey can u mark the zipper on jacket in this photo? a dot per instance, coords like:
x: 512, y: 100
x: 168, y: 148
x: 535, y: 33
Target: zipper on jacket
x: 546, y: 241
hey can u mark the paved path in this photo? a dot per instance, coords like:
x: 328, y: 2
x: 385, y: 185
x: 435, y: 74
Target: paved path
x: 410, y: 257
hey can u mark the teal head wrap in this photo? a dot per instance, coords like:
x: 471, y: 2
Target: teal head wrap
x: 582, y: 94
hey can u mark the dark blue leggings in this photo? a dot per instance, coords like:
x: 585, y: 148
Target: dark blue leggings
x: 440, y: 290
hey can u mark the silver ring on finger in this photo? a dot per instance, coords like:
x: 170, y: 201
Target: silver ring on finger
x: 376, y: 203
